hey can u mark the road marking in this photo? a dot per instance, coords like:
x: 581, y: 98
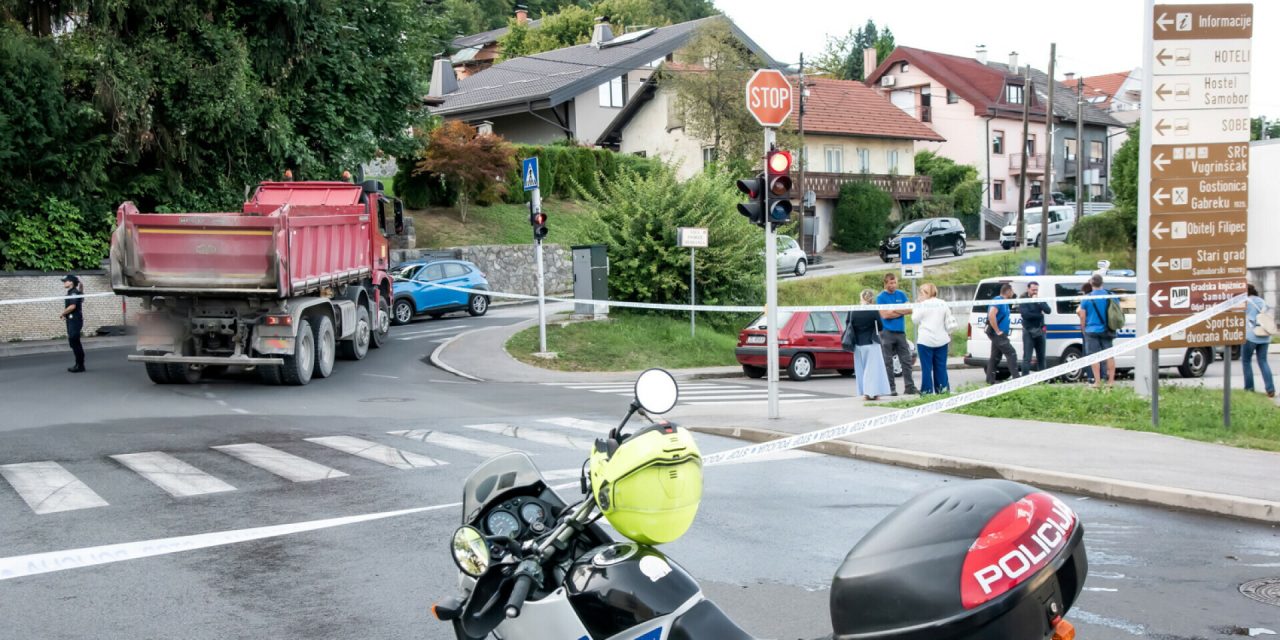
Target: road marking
x: 240, y: 411
x: 598, y: 428
x: 553, y: 439
x: 48, y: 488
x: 176, y: 477
x: 745, y: 401
x: 451, y: 441
x: 48, y: 562
x: 380, y: 453
x: 735, y: 390
x: 286, y: 465
x: 379, y: 375
x: 630, y: 388
x: 739, y: 396
x: 426, y: 331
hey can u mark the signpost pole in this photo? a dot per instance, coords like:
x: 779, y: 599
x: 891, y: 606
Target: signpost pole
x: 771, y: 292
x: 542, y: 302
x: 1145, y: 375
x: 693, y: 254
x: 1226, y: 386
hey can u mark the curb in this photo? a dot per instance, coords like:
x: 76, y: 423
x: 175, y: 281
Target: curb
x: 1217, y: 504
x: 16, y: 349
x: 440, y: 364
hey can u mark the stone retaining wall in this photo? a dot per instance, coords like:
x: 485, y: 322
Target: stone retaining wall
x: 509, y: 268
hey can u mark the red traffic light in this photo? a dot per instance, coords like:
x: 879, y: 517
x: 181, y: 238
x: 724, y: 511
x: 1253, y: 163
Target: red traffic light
x: 750, y: 187
x: 778, y: 162
x: 539, y: 218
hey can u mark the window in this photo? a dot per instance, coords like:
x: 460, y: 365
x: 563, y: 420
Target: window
x: 1071, y: 149
x: 952, y: 97
x: 997, y: 143
x: 892, y: 156
x: 864, y: 161
x: 709, y: 155
x: 905, y: 67
x: 407, y: 273
x: 1013, y: 93
x: 997, y: 190
x: 432, y: 272
x: 1095, y: 151
x: 1031, y: 145
x: 821, y: 322
x: 926, y: 104
x: 835, y: 159
x: 614, y: 92
x: 455, y: 270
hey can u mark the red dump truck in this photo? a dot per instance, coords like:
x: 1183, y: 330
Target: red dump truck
x: 295, y: 279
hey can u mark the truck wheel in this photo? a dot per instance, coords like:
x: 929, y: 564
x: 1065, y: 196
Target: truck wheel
x: 184, y: 373
x: 358, y: 346
x: 404, y: 312
x: 381, y: 324
x: 269, y: 374
x: 325, y: 344
x: 478, y: 305
x: 158, y: 372
x: 297, y: 368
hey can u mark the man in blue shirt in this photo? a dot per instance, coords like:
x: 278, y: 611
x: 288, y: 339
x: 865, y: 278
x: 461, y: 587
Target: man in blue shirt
x: 893, y: 337
x: 1097, y: 335
x: 998, y: 332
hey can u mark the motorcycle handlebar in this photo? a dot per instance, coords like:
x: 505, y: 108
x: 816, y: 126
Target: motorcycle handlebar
x: 518, y: 595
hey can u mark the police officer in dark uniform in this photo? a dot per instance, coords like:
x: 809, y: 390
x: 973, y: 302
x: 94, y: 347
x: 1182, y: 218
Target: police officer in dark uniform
x: 74, y: 315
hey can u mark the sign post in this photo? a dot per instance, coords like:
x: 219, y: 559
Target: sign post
x: 768, y: 95
x: 529, y: 172
x: 1193, y: 178
x: 692, y: 237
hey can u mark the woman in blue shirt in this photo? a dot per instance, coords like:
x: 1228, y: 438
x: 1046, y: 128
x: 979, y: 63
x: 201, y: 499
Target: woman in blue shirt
x: 1255, y: 344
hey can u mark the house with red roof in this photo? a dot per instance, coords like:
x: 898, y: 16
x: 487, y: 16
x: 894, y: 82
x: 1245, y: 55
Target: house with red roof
x: 976, y: 105
x: 851, y: 134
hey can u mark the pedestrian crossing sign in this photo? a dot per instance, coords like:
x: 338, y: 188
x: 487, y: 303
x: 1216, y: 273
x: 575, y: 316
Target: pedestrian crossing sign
x: 529, y: 169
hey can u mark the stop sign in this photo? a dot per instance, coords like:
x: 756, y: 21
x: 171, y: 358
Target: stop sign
x: 769, y: 97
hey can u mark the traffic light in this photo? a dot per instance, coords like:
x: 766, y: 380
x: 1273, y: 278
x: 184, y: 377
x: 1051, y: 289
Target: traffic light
x: 778, y: 174
x: 753, y: 208
x: 538, y: 220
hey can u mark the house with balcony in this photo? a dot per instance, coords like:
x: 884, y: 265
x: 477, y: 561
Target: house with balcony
x: 976, y: 105
x: 851, y: 134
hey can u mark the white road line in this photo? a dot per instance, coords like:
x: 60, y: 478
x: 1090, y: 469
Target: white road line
x: 743, y: 401
x: 739, y: 396
x: 241, y: 411
x: 553, y: 439
x: 426, y: 331
x: 176, y: 477
x: 434, y: 334
x: 451, y: 441
x: 286, y: 465
x: 379, y: 375
x: 598, y: 428
x: 48, y: 488
x: 381, y: 453
x: 600, y: 388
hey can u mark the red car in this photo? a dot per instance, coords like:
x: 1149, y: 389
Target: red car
x: 809, y: 341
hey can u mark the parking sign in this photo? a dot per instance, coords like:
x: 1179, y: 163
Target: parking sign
x: 912, y: 252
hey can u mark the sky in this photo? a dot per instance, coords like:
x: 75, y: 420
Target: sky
x: 1093, y: 36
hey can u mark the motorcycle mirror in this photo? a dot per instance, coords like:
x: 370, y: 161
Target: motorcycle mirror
x: 471, y: 551
x: 657, y: 391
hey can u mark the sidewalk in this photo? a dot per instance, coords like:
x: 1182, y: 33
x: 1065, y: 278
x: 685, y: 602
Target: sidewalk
x: 34, y: 347
x: 1130, y: 466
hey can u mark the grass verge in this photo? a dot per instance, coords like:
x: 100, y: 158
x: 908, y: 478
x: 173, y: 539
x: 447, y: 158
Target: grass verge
x: 627, y: 342
x: 1194, y: 413
x: 498, y: 224
x: 844, y: 289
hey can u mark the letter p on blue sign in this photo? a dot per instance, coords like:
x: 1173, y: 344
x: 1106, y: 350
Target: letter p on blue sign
x: 912, y: 252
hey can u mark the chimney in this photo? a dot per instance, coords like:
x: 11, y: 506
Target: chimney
x: 982, y: 54
x: 1069, y: 76
x: 1013, y: 60
x: 443, y: 81
x: 522, y: 14
x: 602, y: 32
x: 869, y: 62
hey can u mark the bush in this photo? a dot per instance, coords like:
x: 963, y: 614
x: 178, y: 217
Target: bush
x: 52, y: 239
x: 637, y: 217
x: 861, y: 216
x: 422, y: 190
x: 1114, y: 230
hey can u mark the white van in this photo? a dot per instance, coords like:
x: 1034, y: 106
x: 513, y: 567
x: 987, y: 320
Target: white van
x: 1064, y: 341
x: 1061, y: 220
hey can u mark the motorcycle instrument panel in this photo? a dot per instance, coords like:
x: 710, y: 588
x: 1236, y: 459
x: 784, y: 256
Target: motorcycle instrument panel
x: 517, y: 516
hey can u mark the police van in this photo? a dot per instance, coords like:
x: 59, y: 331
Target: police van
x: 1064, y: 340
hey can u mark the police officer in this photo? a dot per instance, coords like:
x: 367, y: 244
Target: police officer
x: 74, y: 315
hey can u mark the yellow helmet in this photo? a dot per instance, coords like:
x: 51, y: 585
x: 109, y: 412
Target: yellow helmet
x: 648, y: 487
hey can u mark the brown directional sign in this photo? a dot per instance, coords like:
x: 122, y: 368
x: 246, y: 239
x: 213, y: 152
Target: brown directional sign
x: 1168, y: 265
x: 1190, y: 296
x: 1218, y: 228
x: 1199, y: 194
x: 1223, y: 160
x: 1227, y: 328
x: 1202, y: 21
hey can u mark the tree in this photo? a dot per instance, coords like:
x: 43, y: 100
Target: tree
x: 842, y: 58
x: 476, y: 164
x: 714, y: 68
x: 861, y: 216
x: 571, y: 26
x: 946, y: 173
x: 1272, y: 129
x: 1124, y: 170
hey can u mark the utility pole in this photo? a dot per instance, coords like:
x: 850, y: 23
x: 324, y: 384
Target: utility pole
x: 1046, y: 193
x: 807, y: 240
x: 1081, y: 187
x: 1028, y: 90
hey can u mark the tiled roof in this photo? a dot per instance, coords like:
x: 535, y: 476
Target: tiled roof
x: 849, y: 108
x: 1105, y: 86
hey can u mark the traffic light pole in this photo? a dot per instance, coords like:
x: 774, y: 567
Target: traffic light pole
x: 771, y: 291
x: 536, y: 203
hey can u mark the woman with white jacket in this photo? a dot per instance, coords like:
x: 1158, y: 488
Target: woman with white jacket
x: 934, y: 323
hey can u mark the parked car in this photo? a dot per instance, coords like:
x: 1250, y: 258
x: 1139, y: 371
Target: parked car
x: 1038, y: 201
x: 1061, y: 220
x: 940, y: 234
x: 413, y: 294
x: 809, y: 341
x: 791, y: 258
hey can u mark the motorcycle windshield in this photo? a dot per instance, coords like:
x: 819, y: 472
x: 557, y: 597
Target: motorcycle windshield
x: 495, y: 477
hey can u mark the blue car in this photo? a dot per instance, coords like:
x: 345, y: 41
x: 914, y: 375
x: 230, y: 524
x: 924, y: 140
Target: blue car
x: 413, y: 294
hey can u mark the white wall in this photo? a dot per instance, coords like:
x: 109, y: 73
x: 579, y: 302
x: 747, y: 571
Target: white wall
x: 1264, y: 204
x: 590, y: 119
x: 652, y: 132
x: 817, y: 146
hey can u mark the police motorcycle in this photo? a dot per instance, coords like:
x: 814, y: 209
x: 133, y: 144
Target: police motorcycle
x: 977, y: 560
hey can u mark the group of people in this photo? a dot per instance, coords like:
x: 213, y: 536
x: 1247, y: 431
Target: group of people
x: 876, y: 337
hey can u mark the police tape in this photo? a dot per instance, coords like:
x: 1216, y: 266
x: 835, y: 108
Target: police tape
x: 53, y: 298
x: 963, y: 399
x: 784, y: 309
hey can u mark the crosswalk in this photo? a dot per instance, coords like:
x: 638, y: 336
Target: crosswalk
x: 698, y: 393
x: 50, y: 486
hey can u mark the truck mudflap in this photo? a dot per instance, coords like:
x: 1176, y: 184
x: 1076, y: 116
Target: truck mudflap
x: 225, y: 361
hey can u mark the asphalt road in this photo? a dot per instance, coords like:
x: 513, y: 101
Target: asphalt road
x: 859, y: 263
x: 768, y: 538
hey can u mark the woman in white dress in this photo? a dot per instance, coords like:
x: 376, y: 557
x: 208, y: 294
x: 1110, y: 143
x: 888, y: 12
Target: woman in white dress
x: 862, y: 336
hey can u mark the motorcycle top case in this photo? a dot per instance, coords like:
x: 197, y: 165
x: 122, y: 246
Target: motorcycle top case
x: 986, y: 559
